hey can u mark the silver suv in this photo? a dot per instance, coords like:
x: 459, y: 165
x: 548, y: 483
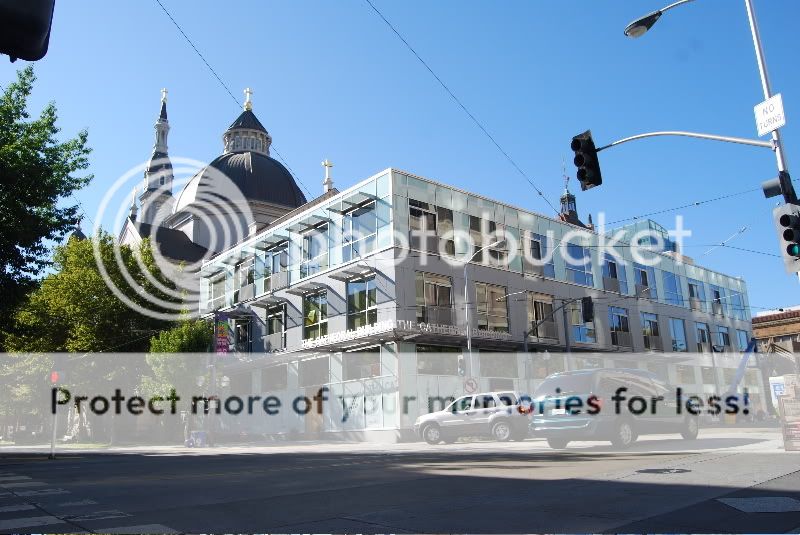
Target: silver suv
x: 495, y: 414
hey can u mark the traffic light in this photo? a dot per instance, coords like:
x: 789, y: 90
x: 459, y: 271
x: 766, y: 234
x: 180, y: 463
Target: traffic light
x: 787, y: 222
x: 462, y: 366
x: 54, y: 377
x: 25, y: 28
x: 586, y: 160
x: 587, y: 307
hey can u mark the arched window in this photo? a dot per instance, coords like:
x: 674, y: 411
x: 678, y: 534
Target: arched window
x: 161, y: 181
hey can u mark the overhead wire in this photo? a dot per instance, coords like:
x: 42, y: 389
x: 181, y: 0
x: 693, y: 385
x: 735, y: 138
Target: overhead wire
x: 462, y: 106
x: 225, y: 87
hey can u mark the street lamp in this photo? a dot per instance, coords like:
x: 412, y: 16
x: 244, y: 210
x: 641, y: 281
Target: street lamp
x: 466, y: 301
x: 640, y: 26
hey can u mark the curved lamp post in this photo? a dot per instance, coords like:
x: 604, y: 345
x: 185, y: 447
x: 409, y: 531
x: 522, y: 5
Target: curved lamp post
x: 466, y: 301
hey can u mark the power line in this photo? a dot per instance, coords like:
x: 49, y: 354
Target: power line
x: 688, y: 205
x: 462, y: 106
x: 225, y: 86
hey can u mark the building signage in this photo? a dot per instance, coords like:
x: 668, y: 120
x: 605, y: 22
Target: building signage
x: 790, y: 418
x: 404, y: 325
x: 769, y: 115
x: 222, y: 335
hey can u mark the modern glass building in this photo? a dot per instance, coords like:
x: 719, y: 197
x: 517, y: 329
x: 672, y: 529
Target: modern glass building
x: 363, y: 291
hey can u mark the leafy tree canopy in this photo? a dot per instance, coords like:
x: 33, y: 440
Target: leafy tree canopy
x: 36, y: 172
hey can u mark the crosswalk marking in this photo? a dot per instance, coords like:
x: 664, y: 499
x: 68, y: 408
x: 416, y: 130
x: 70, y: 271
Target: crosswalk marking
x: 41, y: 492
x: 22, y: 484
x: 13, y: 478
x: 29, y: 522
x: 77, y: 504
x: 22, y: 487
x: 147, y: 528
x: 14, y: 508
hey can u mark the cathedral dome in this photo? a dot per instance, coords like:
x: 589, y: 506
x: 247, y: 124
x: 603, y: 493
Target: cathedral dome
x: 247, y: 164
x: 257, y: 176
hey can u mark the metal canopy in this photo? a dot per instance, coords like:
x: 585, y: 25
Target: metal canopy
x: 351, y: 272
x: 270, y: 241
x: 308, y: 222
x: 348, y: 202
x: 266, y: 301
x: 305, y: 288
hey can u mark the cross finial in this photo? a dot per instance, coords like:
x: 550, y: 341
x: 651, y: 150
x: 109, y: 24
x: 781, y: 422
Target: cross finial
x: 163, y: 94
x: 248, y: 103
x: 328, y: 182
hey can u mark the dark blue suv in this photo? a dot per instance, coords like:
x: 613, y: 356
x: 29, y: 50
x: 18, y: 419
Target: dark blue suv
x: 581, y: 405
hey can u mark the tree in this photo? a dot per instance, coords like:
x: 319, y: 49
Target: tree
x: 36, y: 172
x: 178, y: 357
x: 73, y: 310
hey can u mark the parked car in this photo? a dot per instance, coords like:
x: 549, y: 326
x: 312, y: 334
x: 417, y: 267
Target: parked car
x: 495, y: 414
x: 559, y: 426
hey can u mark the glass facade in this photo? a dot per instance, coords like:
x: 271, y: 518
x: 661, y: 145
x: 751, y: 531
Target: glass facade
x: 677, y: 329
x: 491, y: 307
x: 362, y: 303
x: 315, y: 315
x: 578, y: 262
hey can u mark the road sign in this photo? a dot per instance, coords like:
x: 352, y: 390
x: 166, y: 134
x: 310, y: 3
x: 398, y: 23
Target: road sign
x: 470, y: 385
x: 769, y: 115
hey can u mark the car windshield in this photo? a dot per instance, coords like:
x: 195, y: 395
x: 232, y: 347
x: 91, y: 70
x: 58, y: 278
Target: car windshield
x: 567, y: 384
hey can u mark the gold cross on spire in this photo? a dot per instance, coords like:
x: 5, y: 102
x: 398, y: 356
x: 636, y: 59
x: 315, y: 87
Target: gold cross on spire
x: 248, y: 103
x: 164, y: 94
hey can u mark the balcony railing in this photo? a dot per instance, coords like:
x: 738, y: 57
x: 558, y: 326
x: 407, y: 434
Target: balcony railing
x: 653, y: 343
x: 611, y: 284
x: 716, y: 308
x: 244, y: 293
x: 621, y: 338
x: 695, y: 303
x: 546, y: 329
x: 275, y: 342
x: 537, y: 270
x: 276, y: 281
x: 437, y: 315
x: 643, y: 291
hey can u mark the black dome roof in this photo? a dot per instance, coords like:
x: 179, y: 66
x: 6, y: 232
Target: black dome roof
x: 247, y: 119
x: 258, y: 177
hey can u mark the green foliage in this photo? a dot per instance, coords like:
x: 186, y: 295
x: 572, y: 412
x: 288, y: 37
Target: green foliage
x: 188, y: 337
x: 36, y: 172
x: 171, y: 366
x: 73, y: 309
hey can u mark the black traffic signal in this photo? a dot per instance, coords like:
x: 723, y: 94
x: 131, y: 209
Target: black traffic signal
x: 587, y: 309
x: 25, y: 28
x: 787, y: 222
x: 586, y: 160
x: 462, y: 366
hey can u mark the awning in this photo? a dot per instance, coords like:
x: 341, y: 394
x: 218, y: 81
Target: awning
x: 307, y: 287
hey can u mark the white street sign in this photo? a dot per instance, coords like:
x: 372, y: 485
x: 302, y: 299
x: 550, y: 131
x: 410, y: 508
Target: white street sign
x: 769, y: 115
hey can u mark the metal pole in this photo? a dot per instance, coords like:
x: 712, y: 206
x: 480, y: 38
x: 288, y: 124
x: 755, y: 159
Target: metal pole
x: 699, y: 135
x: 53, y: 435
x: 762, y: 71
x: 467, y: 320
x: 566, y: 335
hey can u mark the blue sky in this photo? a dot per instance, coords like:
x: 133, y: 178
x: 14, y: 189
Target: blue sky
x: 332, y: 81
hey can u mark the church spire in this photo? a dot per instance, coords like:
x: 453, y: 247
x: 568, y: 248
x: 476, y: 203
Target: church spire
x: 156, y: 197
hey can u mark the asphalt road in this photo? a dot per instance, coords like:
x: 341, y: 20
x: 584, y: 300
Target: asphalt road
x: 662, y: 484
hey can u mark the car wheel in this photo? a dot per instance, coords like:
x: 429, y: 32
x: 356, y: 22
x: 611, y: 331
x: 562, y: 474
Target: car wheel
x: 501, y: 431
x: 557, y: 443
x: 690, y: 429
x: 432, y: 434
x: 624, y: 434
